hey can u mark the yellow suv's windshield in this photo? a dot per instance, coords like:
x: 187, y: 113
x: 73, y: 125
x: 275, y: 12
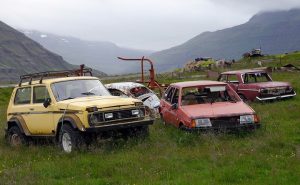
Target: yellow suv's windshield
x: 78, y: 88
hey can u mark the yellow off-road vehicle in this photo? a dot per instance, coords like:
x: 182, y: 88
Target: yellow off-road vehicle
x: 70, y: 107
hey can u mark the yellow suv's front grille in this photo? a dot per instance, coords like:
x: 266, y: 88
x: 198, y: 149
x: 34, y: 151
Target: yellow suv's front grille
x: 114, y: 116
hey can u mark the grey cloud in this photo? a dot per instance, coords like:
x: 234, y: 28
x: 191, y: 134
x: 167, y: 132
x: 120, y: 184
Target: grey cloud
x: 144, y: 24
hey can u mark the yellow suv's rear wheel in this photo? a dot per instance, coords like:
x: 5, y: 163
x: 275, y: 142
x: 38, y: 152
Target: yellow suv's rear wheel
x: 69, y: 139
x: 15, y: 137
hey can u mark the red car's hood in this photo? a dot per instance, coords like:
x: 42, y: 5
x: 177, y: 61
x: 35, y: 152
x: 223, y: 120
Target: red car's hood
x: 272, y: 84
x: 218, y: 109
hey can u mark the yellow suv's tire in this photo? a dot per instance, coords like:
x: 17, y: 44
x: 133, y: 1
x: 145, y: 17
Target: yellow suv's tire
x: 69, y: 139
x: 15, y: 137
x: 141, y: 132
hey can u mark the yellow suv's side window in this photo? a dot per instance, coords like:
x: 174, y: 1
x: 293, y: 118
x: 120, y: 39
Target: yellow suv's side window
x: 23, y: 96
x: 40, y: 94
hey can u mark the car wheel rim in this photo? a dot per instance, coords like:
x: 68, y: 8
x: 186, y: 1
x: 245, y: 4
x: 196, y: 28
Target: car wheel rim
x: 67, y: 143
x: 15, y: 140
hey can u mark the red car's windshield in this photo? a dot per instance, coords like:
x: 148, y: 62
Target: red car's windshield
x: 207, y: 94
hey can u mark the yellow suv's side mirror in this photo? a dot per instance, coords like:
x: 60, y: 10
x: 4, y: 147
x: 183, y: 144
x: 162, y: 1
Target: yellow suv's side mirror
x: 47, y: 102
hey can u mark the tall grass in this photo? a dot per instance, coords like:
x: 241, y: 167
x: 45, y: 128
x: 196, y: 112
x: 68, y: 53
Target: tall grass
x: 270, y: 155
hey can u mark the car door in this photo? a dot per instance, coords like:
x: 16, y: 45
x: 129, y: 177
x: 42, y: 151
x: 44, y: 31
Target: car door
x: 173, y: 112
x: 21, y: 104
x: 40, y: 120
x: 247, y: 88
x: 166, y: 104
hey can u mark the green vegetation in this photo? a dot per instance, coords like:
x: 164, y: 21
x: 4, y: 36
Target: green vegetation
x: 270, y: 155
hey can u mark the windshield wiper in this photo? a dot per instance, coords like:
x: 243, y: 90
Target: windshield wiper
x: 88, y: 93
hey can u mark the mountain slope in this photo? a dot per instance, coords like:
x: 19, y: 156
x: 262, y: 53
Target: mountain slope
x: 97, y: 54
x: 274, y: 32
x: 20, y: 55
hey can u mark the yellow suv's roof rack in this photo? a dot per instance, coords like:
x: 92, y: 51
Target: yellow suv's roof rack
x: 56, y: 74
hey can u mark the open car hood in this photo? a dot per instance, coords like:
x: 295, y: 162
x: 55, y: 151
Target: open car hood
x: 217, y: 109
x: 150, y: 100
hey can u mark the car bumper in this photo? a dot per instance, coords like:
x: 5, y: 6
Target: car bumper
x: 276, y: 97
x: 120, y: 126
x: 224, y: 128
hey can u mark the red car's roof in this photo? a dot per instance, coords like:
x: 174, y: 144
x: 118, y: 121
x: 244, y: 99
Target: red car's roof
x: 244, y: 71
x: 196, y: 83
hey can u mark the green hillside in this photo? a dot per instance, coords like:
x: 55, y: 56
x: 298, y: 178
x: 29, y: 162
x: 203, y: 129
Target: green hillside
x: 275, y: 32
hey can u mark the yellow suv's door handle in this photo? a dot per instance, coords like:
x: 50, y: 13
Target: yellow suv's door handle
x: 32, y: 109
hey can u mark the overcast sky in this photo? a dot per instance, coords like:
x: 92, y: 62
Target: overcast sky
x: 141, y: 24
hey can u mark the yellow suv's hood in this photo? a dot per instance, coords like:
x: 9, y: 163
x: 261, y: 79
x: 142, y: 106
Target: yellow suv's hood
x: 101, y: 102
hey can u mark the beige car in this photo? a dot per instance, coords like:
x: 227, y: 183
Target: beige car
x: 71, y: 110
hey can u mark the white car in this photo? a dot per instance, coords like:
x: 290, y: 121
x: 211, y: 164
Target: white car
x: 138, y: 91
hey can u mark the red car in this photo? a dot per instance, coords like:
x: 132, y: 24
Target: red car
x: 205, y: 105
x: 256, y: 84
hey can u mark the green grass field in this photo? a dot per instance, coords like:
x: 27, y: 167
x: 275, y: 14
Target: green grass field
x: 270, y: 155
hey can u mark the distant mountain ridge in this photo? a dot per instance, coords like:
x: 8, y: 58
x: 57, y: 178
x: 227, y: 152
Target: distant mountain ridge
x: 100, y: 55
x: 275, y: 32
x: 20, y: 55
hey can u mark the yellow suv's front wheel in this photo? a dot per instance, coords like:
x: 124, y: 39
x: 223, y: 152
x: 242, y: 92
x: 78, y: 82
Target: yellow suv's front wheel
x: 70, y: 139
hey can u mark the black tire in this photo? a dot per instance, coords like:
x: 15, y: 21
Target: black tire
x: 15, y: 137
x: 144, y: 131
x: 70, y: 139
x: 140, y: 132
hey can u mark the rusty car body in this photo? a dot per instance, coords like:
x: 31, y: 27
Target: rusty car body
x: 256, y: 85
x: 201, y: 105
x: 138, y: 91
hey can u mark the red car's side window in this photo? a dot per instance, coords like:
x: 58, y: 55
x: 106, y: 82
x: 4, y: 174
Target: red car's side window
x: 166, y: 93
x: 175, y: 96
x: 169, y: 94
x: 232, y: 79
x: 223, y: 78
